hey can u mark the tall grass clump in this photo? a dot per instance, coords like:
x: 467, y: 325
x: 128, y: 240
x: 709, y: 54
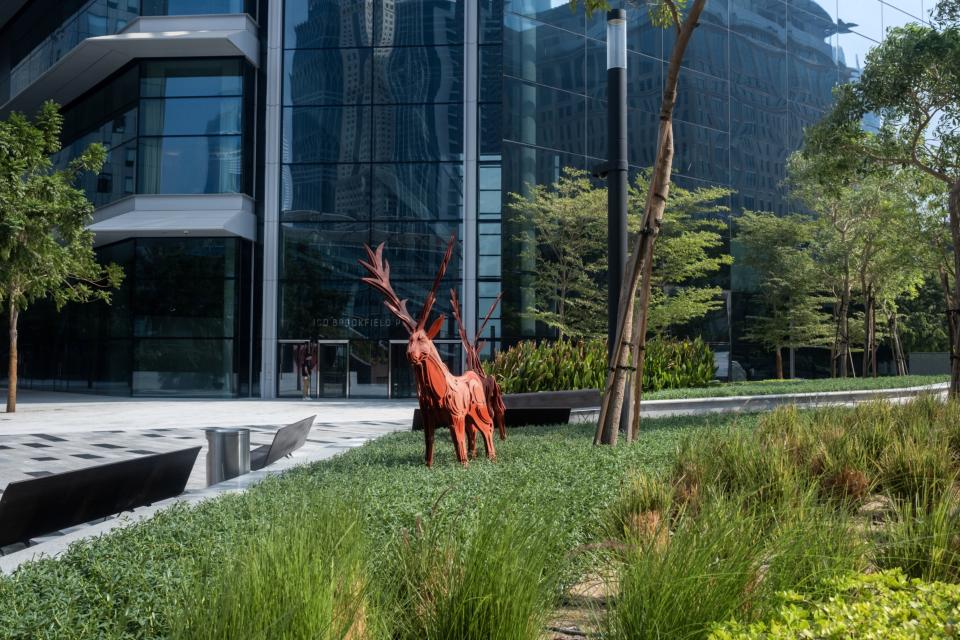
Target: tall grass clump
x: 493, y: 576
x: 923, y: 537
x: 304, y: 576
x: 678, y: 587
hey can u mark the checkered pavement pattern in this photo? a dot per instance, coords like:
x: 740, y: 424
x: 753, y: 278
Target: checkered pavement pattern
x: 23, y: 457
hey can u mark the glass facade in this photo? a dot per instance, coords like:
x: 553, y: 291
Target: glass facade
x: 178, y: 325
x: 169, y: 126
x: 756, y: 73
x: 372, y: 150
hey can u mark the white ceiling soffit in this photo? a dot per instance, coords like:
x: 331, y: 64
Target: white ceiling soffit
x: 154, y: 216
x: 94, y: 59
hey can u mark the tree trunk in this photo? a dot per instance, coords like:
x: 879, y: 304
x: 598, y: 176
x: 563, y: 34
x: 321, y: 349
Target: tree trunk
x: 627, y: 348
x: 835, y: 347
x: 12, y: 363
x: 844, y: 329
x: 953, y: 313
x: 896, y: 345
x: 778, y: 355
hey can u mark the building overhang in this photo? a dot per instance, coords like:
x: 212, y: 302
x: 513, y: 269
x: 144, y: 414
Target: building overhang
x: 95, y: 59
x: 179, y: 216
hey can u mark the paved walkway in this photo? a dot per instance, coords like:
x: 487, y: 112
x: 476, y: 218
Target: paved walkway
x: 54, y: 432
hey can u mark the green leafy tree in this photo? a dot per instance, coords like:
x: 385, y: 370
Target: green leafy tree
x: 570, y: 223
x: 570, y: 230
x: 45, y: 248
x: 787, y: 283
x: 911, y: 81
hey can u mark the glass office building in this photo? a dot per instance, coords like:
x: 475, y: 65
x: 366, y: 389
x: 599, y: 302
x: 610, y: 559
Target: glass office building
x: 255, y: 146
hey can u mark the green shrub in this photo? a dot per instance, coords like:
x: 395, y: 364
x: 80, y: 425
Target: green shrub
x: 493, y: 576
x: 566, y: 365
x: 304, y: 576
x: 883, y: 605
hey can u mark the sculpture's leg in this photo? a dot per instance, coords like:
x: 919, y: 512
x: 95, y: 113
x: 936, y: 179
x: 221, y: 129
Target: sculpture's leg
x: 458, y: 433
x: 471, y: 438
x: 487, y: 430
x: 428, y: 432
x: 498, y: 417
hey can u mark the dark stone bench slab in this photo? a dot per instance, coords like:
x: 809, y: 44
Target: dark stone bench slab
x: 287, y: 440
x: 521, y: 417
x: 578, y: 399
x: 31, y: 508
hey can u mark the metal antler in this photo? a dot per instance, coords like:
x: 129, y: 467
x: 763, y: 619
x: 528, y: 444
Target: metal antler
x: 379, y: 279
x: 432, y: 296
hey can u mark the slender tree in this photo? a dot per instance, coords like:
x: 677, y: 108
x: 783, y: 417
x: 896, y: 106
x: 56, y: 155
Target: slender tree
x: 45, y: 248
x: 628, y: 349
x: 911, y: 81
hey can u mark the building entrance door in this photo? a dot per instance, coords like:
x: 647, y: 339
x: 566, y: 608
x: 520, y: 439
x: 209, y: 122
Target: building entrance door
x: 332, y: 374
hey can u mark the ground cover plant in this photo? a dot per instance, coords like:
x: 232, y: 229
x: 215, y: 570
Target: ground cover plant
x: 774, y: 387
x: 705, y: 525
x: 134, y: 582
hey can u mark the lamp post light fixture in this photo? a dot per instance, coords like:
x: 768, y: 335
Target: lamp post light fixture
x: 617, y: 174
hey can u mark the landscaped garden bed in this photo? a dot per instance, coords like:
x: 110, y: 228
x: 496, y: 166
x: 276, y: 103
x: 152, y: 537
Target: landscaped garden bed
x: 722, y: 524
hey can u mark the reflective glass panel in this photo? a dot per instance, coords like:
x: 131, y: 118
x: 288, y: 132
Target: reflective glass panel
x: 418, y: 22
x: 327, y: 23
x: 417, y: 191
x: 326, y: 134
x: 196, y: 7
x: 190, y: 116
x: 418, y: 75
x: 325, y: 192
x: 544, y: 117
x: 174, y: 78
x: 184, y: 367
x: 418, y: 133
x: 327, y: 76
x: 190, y: 165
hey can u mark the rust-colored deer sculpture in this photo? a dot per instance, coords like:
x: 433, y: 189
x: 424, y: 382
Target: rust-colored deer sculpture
x: 491, y: 389
x: 457, y: 401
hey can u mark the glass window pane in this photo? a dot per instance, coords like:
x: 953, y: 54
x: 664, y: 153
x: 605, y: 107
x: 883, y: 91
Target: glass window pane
x: 418, y: 22
x: 200, y: 257
x: 190, y: 116
x: 174, y: 78
x: 322, y: 251
x: 327, y: 23
x: 184, y: 306
x: 415, y: 250
x: 327, y: 76
x: 195, y: 7
x: 190, y: 165
x: 491, y: 21
x: 543, y: 54
x: 418, y: 75
x: 184, y: 367
x: 412, y: 133
x: 325, y: 192
x: 418, y: 191
x: 326, y: 134
x: 544, y: 117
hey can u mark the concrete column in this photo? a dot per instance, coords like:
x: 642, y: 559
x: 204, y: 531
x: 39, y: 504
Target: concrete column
x: 271, y: 199
x: 471, y: 81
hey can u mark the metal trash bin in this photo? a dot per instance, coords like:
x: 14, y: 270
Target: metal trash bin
x: 228, y: 454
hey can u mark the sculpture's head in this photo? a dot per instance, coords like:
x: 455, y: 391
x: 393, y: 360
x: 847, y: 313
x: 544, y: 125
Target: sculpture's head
x: 420, y: 346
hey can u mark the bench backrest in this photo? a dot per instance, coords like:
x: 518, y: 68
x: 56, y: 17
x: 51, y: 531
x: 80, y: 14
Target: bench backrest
x: 31, y: 508
x: 289, y: 439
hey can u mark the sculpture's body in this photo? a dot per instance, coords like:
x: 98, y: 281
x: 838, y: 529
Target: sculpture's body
x: 457, y: 401
x: 491, y: 390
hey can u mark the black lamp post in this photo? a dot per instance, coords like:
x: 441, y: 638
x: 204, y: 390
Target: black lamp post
x: 616, y: 168
x: 617, y: 173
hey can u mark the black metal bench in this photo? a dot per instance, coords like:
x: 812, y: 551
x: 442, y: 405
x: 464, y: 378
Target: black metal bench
x: 31, y: 508
x: 522, y: 417
x: 287, y: 440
